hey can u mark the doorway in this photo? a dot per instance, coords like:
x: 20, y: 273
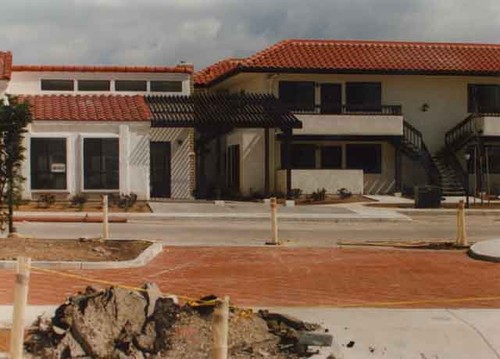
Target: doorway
x: 160, y: 169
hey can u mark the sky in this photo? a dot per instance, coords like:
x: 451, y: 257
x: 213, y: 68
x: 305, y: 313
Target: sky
x: 165, y: 32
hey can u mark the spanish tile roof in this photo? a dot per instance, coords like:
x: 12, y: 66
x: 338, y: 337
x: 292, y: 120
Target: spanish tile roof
x: 5, y: 65
x: 364, y: 57
x: 87, y: 108
x: 220, y: 111
x: 211, y: 72
x: 89, y: 68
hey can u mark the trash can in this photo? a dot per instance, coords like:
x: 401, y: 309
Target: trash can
x: 427, y: 197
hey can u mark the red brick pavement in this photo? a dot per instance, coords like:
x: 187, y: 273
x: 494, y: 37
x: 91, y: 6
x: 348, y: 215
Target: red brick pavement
x: 270, y: 276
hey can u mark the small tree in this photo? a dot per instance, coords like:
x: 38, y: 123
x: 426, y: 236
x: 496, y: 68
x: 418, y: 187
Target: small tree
x: 14, y: 119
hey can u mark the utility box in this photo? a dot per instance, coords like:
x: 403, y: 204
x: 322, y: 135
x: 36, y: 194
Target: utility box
x: 427, y: 197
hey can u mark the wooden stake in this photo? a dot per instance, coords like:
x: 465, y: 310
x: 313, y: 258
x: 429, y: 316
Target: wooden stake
x: 461, y: 235
x: 220, y: 329
x: 274, y: 222
x: 105, y: 220
x: 20, y: 302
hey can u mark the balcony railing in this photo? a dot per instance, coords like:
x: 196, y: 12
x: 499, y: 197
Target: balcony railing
x: 372, y: 110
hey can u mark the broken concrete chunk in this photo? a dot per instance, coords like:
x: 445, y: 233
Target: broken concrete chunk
x: 152, y: 293
x: 315, y: 339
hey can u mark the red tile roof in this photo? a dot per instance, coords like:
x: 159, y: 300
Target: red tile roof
x: 5, y: 65
x: 214, y: 71
x: 364, y: 56
x: 88, y: 108
x: 187, y: 68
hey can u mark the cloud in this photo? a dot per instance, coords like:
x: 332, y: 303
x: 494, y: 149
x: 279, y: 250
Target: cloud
x: 164, y: 32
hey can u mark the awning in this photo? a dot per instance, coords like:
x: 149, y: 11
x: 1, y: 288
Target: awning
x: 220, y: 110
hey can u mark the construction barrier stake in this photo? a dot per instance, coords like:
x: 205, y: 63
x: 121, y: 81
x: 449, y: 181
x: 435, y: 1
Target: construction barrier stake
x: 274, y: 223
x: 105, y: 220
x: 20, y: 302
x: 461, y: 235
x: 220, y: 328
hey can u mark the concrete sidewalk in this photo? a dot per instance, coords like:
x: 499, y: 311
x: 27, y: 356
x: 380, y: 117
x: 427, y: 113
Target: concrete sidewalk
x: 384, y: 333
x: 242, y: 211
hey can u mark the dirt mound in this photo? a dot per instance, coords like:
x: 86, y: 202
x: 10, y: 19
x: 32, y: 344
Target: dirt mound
x: 120, y: 323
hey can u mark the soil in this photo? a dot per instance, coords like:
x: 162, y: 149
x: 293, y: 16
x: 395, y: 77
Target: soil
x: 138, y: 207
x: 333, y: 200
x: 438, y: 245
x: 91, y: 250
x: 485, y: 205
x: 119, y: 323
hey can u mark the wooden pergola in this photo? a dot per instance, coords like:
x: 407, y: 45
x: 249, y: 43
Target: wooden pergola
x: 214, y: 115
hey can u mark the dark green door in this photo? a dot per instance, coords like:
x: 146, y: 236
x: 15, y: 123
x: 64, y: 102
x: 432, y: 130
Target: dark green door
x: 160, y: 169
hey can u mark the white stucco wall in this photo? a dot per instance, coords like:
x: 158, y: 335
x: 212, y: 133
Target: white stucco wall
x: 310, y: 181
x: 252, y: 159
x: 350, y: 125
x: 133, y: 158
x: 490, y: 125
x: 28, y: 82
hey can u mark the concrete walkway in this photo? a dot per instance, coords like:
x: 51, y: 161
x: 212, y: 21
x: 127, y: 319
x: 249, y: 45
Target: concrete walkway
x: 383, y: 333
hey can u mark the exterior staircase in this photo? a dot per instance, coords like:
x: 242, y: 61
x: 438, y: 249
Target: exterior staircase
x: 451, y: 184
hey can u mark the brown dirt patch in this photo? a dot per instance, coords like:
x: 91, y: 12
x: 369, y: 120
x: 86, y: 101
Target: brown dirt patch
x: 71, y: 249
x: 334, y: 200
x: 92, y: 206
x: 4, y: 340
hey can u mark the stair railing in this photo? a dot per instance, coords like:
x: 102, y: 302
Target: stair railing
x: 463, y: 130
x: 414, y: 137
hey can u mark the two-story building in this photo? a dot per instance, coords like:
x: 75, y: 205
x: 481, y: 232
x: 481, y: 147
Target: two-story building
x: 377, y: 116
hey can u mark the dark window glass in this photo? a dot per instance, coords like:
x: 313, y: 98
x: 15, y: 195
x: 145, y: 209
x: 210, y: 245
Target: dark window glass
x: 58, y: 85
x: 367, y: 157
x: 130, y: 85
x: 484, y: 98
x: 331, y: 157
x: 101, y: 163
x: 166, y: 86
x: 302, y: 156
x: 233, y: 167
x: 364, y: 96
x: 297, y: 96
x: 493, y: 159
x: 48, y: 163
x: 331, y: 98
x: 93, y: 85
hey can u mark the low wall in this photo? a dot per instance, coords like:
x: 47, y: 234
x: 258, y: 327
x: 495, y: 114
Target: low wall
x: 311, y: 180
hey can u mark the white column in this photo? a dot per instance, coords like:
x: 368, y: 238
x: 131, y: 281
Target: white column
x: 124, y: 159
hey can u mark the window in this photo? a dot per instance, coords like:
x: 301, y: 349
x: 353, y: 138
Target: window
x: 367, y: 157
x: 484, y: 98
x: 93, y: 85
x: 331, y: 98
x: 101, y: 163
x: 364, y: 96
x: 166, y: 86
x: 302, y: 156
x: 331, y: 157
x: 233, y: 167
x: 297, y: 96
x: 48, y: 163
x: 57, y: 85
x: 493, y: 154
x: 130, y: 85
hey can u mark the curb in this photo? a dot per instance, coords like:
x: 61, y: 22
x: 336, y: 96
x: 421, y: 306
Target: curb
x: 141, y: 260
x: 483, y: 257
x: 75, y: 219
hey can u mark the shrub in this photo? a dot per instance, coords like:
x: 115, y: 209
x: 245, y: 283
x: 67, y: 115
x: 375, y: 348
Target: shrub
x: 319, y: 195
x: 344, y: 193
x: 79, y: 200
x: 296, y: 193
x: 46, y: 200
x: 125, y: 201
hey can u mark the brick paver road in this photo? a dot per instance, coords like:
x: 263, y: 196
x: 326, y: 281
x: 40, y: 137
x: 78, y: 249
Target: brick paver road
x: 270, y: 276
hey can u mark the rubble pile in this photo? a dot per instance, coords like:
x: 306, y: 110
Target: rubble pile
x: 122, y: 323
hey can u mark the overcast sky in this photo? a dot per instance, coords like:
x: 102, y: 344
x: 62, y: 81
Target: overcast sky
x: 163, y: 32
